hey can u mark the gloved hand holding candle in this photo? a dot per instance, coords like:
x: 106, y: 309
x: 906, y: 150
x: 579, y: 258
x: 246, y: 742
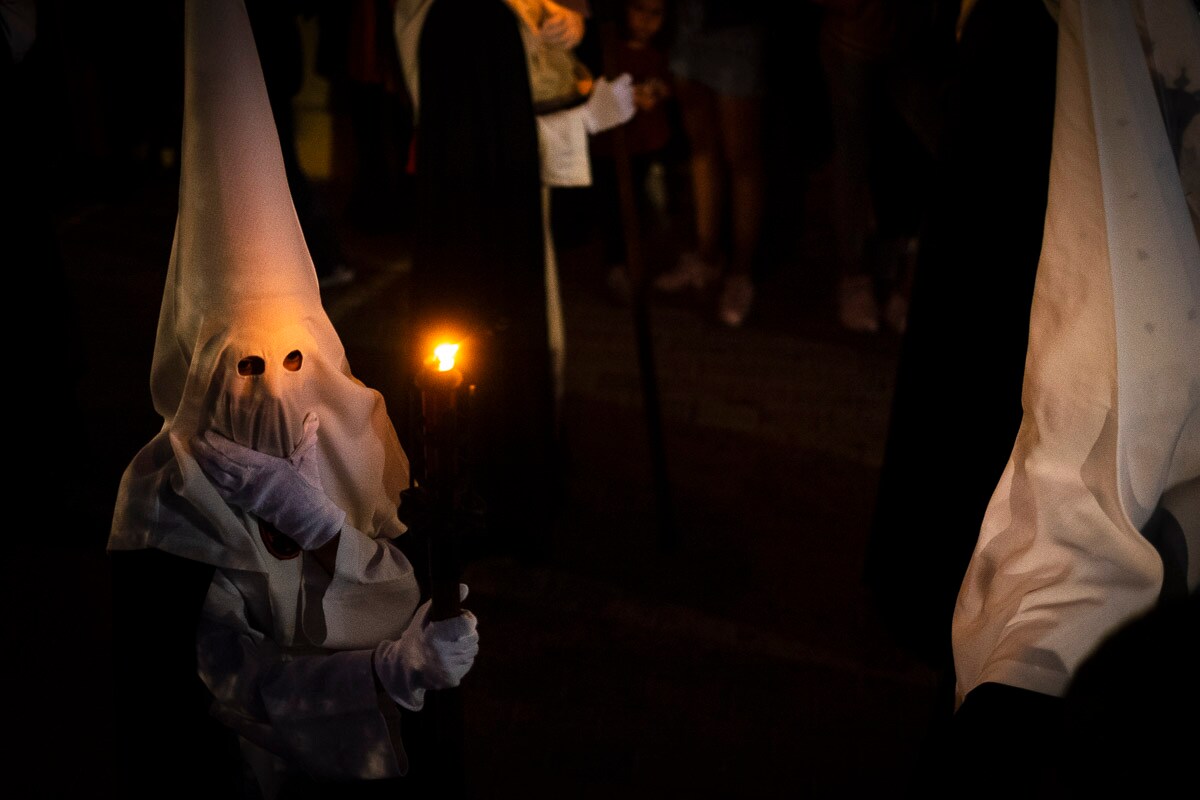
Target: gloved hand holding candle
x: 430, y: 655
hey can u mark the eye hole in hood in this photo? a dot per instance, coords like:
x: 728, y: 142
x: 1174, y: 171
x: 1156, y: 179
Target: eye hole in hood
x: 293, y: 361
x: 252, y: 365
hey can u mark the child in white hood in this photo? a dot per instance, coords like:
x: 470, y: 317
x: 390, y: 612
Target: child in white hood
x: 276, y: 474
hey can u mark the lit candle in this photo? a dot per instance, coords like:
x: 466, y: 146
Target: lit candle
x: 439, y: 383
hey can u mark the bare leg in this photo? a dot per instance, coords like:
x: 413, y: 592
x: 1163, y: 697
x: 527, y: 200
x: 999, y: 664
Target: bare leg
x: 849, y: 83
x: 700, y: 118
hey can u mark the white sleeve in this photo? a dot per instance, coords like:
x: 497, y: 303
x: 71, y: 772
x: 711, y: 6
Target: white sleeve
x: 370, y: 597
x: 319, y: 712
x: 563, y: 135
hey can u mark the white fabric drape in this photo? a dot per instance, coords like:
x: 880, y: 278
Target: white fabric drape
x: 1111, y: 430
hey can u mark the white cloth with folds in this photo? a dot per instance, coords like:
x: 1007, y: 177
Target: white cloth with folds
x: 1111, y: 430
x: 245, y: 353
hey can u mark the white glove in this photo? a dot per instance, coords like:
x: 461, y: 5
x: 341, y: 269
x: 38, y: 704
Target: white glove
x: 429, y: 655
x: 561, y: 27
x: 610, y: 105
x: 286, y: 492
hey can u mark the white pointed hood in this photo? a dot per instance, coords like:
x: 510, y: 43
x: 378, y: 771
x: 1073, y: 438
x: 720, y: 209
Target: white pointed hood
x: 244, y: 345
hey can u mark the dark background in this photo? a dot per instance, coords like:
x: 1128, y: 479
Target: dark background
x: 755, y: 659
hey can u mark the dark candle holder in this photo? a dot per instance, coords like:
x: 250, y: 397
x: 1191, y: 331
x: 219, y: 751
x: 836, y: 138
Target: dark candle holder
x: 441, y: 427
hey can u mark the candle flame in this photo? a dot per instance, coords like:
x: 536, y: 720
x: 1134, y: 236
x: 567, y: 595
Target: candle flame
x: 444, y: 353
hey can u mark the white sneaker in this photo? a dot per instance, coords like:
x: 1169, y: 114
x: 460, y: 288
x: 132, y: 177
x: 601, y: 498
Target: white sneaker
x: 690, y: 273
x: 858, y: 310
x: 736, y: 298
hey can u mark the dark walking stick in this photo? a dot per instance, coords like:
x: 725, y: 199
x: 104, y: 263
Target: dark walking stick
x: 667, y: 538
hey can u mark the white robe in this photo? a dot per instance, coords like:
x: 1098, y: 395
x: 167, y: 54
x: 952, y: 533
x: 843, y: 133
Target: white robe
x: 287, y: 657
x: 1111, y: 431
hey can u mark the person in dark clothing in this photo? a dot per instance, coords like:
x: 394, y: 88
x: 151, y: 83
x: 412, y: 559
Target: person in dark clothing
x: 958, y: 388
x: 478, y: 262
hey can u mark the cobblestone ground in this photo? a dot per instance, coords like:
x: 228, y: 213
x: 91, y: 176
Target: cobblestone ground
x: 747, y: 663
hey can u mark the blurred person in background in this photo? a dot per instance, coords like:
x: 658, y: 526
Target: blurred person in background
x: 885, y: 65
x: 717, y: 58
